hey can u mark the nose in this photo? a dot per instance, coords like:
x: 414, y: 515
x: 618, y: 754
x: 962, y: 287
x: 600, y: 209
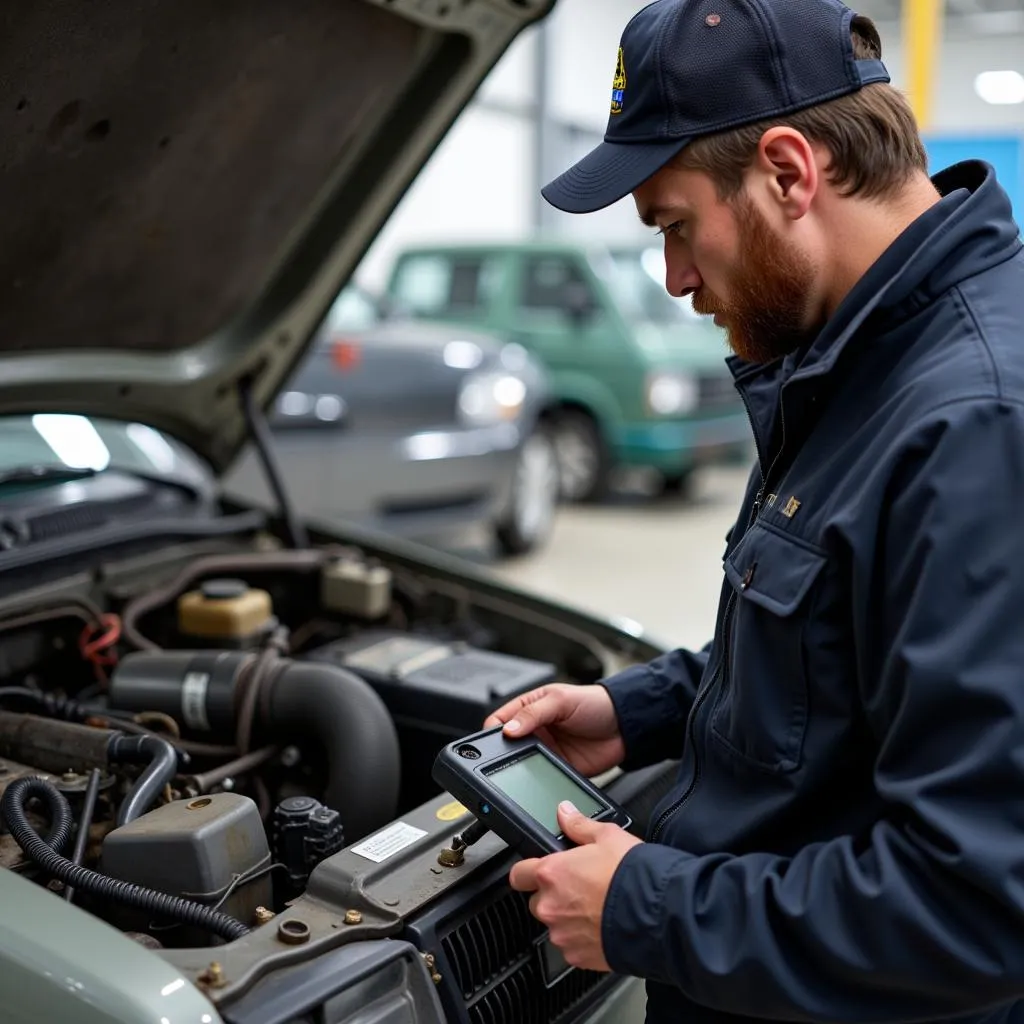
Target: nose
x: 681, y: 276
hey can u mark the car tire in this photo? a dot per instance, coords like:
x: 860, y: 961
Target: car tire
x: 583, y: 463
x: 530, y: 518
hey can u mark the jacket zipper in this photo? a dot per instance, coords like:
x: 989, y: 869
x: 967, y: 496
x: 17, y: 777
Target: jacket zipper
x: 723, y: 669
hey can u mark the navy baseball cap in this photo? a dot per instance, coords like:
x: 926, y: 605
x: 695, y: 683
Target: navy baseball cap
x: 688, y: 68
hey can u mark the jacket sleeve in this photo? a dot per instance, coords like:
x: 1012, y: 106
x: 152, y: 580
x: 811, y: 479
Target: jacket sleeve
x: 652, y: 702
x: 922, y: 916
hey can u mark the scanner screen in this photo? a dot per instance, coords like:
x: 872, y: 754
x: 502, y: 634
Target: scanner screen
x: 538, y: 785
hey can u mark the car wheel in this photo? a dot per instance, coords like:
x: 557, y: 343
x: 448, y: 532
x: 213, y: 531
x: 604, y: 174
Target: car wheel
x: 582, y: 458
x: 531, y: 515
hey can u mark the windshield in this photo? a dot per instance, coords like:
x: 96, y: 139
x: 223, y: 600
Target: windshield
x: 57, y: 441
x: 636, y: 277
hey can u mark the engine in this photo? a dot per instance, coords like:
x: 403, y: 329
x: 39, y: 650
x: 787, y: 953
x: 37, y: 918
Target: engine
x: 238, y: 746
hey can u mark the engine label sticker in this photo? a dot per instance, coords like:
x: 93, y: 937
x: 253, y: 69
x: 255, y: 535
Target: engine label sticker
x: 193, y: 700
x: 388, y: 842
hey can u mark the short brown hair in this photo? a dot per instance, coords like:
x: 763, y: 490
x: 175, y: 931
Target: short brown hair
x: 871, y: 134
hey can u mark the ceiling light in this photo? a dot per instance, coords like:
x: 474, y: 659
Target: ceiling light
x: 74, y: 440
x: 1000, y: 87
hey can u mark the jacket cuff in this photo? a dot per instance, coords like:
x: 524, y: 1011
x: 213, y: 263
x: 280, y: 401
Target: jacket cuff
x: 633, y: 923
x: 647, y: 709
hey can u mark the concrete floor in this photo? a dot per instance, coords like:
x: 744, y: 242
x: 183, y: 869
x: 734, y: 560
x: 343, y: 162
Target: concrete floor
x: 655, y: 561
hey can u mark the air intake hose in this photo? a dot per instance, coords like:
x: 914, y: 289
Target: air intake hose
x: 352, y: 725
x: 256, y: 698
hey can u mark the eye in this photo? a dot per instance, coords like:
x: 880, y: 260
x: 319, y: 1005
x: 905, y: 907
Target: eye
x: 675, y: 228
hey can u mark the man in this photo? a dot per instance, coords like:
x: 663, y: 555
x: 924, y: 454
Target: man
x: 846, y: 838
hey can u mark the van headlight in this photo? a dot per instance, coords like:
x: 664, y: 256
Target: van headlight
x: 672, y: 394
x: 486, y: 399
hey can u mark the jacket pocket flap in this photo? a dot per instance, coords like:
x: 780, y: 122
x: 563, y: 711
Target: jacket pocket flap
x: 772, y: 570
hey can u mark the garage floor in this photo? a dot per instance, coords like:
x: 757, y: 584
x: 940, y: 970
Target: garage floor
x: 655, y: 561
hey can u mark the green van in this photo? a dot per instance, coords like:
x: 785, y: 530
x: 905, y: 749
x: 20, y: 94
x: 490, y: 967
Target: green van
x: 638, y: 379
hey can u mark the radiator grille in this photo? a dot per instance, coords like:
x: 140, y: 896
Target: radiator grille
x: 717, y: 391
x: 495, y: 958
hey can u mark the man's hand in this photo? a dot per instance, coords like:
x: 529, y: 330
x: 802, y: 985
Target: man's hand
x: 569, y: 889
x: 576, y: 722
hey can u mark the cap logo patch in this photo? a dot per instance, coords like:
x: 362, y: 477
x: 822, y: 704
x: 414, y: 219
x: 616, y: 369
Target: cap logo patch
x: 713, y: 20
x: 619, y: 83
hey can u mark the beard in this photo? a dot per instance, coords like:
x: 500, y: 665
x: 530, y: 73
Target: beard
x: 765, y: 318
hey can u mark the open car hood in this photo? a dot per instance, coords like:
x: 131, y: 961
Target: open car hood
x: 185, y: 187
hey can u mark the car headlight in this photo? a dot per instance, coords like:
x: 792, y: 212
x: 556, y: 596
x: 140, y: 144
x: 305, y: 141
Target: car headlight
x: 671, y: 394
x: 486, y: 399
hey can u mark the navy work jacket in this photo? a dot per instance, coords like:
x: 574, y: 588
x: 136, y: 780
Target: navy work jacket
x: 846, y: 838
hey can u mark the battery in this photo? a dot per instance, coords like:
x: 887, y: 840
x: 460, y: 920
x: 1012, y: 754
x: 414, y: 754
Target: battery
x: 435, y: 691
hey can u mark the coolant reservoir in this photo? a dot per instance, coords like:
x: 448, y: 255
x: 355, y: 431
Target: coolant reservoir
x: 225, y: 612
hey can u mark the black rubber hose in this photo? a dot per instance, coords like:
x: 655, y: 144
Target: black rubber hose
x: 351, y: 724
x: 64, y: 708
x: 162, y: 767
x: 61, y: 819
x: 12, y: 805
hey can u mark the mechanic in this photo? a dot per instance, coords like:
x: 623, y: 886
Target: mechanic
x: 845, y: 839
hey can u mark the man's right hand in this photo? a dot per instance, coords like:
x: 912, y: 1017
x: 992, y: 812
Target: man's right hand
x: 576, y: 722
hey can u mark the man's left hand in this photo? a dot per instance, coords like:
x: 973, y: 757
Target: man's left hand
x: 569, y: 889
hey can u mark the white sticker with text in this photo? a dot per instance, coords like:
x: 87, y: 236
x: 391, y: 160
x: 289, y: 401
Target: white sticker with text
x: 390, y: 841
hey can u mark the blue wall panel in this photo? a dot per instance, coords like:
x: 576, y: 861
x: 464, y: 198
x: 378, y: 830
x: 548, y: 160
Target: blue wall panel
x: 1004, y: 152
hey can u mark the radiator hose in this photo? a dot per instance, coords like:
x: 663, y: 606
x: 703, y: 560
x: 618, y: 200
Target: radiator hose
x: 46, y: 853
x: 161, y: 766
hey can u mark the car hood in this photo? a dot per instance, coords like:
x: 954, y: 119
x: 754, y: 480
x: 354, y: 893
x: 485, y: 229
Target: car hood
x: 184, y: 188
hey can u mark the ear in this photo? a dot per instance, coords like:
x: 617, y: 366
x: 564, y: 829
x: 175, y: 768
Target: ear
x: 786, y: 163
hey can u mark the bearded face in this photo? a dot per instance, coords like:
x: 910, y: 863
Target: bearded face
x: 765, y: 314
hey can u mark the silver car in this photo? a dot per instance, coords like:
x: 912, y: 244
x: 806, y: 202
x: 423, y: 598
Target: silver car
x: 414, y: 430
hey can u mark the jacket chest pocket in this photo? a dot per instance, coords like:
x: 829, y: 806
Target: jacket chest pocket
x: 761, y: 710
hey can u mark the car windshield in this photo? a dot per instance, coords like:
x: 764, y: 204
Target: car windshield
x: 636, y: 278
x: 49, y: 443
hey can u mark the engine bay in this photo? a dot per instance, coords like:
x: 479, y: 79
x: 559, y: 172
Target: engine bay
x: 207, y: 748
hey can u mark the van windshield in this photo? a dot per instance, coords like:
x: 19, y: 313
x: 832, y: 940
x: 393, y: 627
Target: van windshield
x: 636, y: 278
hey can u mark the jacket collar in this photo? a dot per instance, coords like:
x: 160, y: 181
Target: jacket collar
x: 970, y: 229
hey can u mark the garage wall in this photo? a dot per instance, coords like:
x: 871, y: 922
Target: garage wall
x: 483, y: 180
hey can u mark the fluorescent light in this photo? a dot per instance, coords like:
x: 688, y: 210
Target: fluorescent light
x: 74, y: 440
x: 155, y: 447
x: 1000, y: 87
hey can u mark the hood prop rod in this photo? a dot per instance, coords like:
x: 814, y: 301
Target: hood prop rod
x: 260, y: 432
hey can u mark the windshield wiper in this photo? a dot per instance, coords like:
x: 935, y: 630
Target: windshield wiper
x: 31, y: 474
